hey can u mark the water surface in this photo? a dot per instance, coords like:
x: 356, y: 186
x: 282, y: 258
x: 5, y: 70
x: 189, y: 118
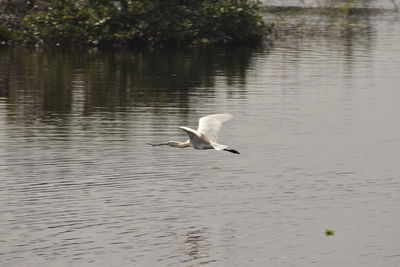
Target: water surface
x: 316, y: 122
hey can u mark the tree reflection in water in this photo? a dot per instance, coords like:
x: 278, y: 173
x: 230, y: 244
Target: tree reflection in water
x: 45, y: 85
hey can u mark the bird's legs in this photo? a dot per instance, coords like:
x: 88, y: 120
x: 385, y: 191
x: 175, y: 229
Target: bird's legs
x: 231, y: 150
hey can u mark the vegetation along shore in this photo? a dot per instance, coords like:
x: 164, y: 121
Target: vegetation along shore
x: 131, y: 22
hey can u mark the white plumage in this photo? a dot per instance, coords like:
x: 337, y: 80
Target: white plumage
x: 206, y: 135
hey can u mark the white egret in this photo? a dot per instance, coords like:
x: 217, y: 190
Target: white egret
x: 206, y: 135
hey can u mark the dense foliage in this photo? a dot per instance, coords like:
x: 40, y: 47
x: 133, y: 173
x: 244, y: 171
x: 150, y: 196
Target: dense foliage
x: 99, y: 22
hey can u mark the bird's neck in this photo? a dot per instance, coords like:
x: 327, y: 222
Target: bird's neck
x: 179, y: 144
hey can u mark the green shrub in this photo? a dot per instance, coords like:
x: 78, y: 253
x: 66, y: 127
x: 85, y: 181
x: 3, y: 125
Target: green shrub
x: 6, y: 34
x: 145, y: 21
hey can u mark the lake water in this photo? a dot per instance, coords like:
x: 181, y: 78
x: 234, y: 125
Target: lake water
x: 380, y: 4
x: 317, y: 122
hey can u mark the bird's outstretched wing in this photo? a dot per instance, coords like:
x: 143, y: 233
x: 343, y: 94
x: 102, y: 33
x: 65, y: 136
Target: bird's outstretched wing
x: 196, y: 139
x: 190, y: 132
x: 210, y: 125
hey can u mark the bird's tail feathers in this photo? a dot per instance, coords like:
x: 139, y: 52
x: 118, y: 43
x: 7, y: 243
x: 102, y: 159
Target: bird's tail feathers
x: 218, y: 147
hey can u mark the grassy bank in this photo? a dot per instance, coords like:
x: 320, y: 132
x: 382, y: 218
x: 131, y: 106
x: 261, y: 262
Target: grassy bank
x: 130, y: 22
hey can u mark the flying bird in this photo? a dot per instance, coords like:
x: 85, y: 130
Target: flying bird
x: 206, y: 135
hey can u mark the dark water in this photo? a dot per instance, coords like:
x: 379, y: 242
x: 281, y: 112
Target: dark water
x: 317, y: 122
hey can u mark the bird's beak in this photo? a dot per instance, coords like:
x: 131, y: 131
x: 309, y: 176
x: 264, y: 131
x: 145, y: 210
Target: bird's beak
x: 158, y: 144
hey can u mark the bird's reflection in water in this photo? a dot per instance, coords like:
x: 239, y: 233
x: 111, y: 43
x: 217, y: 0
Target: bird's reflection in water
x: 197, y: 246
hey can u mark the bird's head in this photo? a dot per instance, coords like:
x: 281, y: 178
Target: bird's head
x: 173, y: 144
